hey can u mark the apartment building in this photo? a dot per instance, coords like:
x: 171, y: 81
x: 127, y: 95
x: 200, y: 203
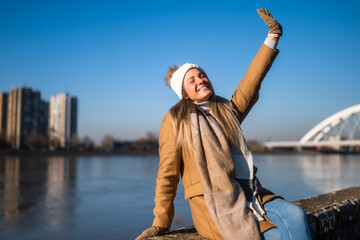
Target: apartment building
x: 62, y: 119
x: 3, y: 114
x: 27, y: 114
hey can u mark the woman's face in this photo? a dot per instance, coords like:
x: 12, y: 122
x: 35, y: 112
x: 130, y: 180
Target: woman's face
x: 197, y: 86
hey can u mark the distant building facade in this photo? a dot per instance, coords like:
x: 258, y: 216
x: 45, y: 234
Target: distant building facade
x: 62, y: 119
x: 27, y: 114
x: 3, y: 114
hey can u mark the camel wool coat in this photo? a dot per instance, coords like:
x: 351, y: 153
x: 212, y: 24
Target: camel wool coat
x: 174, y: 163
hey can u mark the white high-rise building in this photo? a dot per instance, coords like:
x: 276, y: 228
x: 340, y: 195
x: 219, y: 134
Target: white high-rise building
x: 62, y: 118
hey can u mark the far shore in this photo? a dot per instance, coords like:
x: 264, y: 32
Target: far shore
x: 75, y: 153
x: 127, y: 153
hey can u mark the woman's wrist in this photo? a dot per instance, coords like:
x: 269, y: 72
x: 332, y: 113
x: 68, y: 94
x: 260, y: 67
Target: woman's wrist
x: 274, y: 36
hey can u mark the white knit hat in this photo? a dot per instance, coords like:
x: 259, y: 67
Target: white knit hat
x: 177, y: 78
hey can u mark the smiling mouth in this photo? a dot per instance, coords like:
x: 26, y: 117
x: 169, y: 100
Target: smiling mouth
x: 203, y: 88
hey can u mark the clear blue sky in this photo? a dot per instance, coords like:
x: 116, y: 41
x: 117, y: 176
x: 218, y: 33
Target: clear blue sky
x: 113, y: 55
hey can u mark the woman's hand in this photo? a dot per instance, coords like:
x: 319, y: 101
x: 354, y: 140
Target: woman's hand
x: 152, y: 232
x: 274, y: 26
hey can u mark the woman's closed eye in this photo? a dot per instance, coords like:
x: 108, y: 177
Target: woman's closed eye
x: 190, y: 80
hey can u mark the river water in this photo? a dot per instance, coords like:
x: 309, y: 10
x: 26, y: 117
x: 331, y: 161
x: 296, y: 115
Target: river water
x: 111, y: 197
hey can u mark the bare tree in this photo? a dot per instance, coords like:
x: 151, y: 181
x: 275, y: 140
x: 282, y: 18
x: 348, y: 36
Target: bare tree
x: 54, y: 142
x: 36, y: 140
x: 74, y: 141
x: 88, y: 143
x: 152, y: 136
x: 107, y: 142
x: 149, y: 143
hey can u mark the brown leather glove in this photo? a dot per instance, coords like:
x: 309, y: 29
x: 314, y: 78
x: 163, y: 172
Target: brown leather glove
x: 152, y: 232
x: 274, y: 26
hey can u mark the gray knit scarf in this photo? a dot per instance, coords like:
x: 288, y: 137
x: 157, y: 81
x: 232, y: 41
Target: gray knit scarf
x: 227, y: 178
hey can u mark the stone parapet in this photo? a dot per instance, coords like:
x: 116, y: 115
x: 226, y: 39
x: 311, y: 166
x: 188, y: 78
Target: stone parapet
x: 334, y: 215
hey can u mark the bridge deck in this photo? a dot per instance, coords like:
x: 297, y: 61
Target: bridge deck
x: 285, y: 144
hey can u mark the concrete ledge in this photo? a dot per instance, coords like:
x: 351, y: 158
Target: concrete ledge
x: 334, y: 215
x: 181, y: 233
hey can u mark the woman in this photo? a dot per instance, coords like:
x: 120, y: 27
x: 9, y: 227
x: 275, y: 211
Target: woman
x: 201, y: 140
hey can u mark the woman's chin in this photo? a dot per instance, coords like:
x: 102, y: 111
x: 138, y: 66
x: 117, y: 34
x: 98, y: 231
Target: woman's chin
x: 204, y: 97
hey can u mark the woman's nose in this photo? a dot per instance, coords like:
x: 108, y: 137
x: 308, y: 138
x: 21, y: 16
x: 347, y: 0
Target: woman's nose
x: 199, y: 80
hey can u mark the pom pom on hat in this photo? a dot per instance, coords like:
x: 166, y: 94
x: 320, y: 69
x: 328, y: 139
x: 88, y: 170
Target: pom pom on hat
x: 169, y: 74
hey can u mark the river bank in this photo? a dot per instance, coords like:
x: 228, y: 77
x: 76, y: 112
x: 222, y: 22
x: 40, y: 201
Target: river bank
x: 76, y: 153
x: 129, y: 153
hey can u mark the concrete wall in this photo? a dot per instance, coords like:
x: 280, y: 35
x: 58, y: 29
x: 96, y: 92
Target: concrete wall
x: 335, y: 215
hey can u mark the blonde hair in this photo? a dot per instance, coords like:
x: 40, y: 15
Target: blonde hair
x: 220, y: 108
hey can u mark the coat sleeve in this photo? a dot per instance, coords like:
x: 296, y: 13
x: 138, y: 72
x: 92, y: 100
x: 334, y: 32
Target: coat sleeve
x: 247, y: 92
x: 168, y: 175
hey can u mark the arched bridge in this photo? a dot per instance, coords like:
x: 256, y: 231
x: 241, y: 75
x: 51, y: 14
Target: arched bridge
x: 341, y: 129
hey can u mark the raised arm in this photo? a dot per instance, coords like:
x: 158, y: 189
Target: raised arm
x: 247, y: 92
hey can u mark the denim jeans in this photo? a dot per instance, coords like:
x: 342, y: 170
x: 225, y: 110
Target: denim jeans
x: 290, y: 220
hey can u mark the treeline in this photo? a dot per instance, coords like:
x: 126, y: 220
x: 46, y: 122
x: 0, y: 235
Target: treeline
x: 41, y: 142
x: 109, y: 143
